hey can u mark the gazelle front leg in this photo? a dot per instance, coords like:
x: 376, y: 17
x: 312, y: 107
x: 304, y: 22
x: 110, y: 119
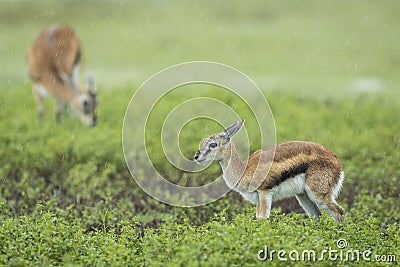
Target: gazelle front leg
x: 258, y: 209
x: 60, y: 109
x: 264, y: 204
x: 39, y: 102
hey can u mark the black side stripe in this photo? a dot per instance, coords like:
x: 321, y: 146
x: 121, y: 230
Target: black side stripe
x: 301, y: 168
x: 295, y: 170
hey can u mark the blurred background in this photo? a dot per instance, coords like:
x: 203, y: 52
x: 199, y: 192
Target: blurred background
x: 327, y: 48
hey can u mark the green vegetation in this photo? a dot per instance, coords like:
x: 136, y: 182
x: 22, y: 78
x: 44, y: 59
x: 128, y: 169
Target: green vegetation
x: 328, y: 69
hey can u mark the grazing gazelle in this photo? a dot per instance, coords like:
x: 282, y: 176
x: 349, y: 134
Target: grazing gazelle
x: 306, y: 170
x: 54, y: 61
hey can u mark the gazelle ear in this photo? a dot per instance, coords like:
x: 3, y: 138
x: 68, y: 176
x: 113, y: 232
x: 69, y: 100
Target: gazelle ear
x: 90, y: 84
x: 232, y: 129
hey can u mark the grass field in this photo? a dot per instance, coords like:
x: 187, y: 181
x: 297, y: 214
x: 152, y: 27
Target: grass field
x: 329, y: 70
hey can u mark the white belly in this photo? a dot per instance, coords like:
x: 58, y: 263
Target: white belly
x: 289, y: 188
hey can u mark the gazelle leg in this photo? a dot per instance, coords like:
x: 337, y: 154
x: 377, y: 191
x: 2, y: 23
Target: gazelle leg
x: 265, y: 202
x: 308, y: 206
x: 327, y: 204
x: 335, y: 210
x: 39, y: 102
x: 323, y: 196
x: 258, y: 210
x: 59, y: 110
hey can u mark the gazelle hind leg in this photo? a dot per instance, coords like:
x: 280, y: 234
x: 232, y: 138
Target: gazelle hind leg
x: 329, y: 205
x: 335, y: 210
x: 309, y: 206
x: 322, y: 186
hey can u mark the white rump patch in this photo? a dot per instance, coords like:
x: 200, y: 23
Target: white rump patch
x: 338, y: 186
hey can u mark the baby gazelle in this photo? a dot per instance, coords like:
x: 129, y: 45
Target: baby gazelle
x: 306, y: 170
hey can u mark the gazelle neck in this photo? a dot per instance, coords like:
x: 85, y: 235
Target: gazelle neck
x: 232, y: 166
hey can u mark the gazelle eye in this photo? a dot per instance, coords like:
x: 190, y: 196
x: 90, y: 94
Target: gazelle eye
x: 86, y: 106
x: 213, y: 145
x: 85, y: 103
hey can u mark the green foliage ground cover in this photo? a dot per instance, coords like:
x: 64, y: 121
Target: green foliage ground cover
x: 67, y: 199
x: 66, y: 195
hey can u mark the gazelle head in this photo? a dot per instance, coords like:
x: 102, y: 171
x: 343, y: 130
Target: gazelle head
x: 215, y: 147
x: 86, y: 103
